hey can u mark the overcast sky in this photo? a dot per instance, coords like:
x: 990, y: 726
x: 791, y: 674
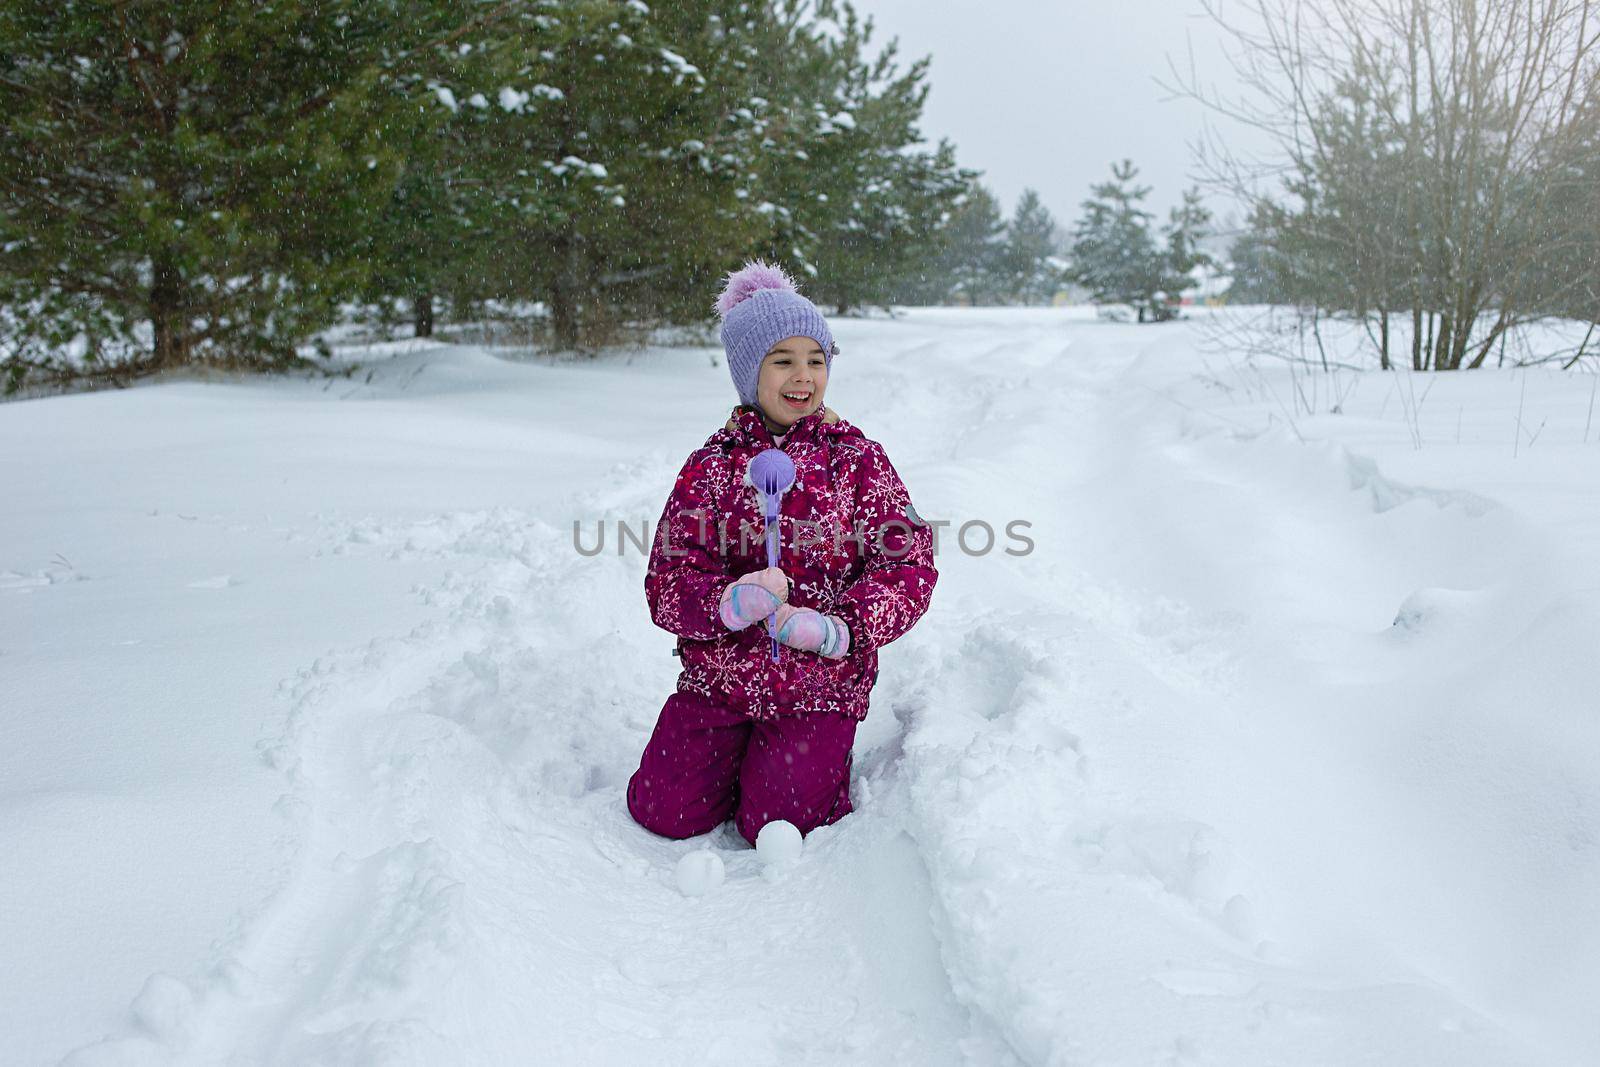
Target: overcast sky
x: 1047, y: 93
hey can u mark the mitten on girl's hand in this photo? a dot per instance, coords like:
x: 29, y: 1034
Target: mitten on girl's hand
x: 753, y: 597
x: 810, y: 631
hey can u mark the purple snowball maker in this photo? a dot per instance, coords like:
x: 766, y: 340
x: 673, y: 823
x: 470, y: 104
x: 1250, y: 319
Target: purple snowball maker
x: 772, y: 473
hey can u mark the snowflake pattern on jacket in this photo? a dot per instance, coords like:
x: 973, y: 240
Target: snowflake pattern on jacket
x: 850, y: 542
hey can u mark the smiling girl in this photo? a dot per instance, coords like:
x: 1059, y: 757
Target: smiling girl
x: 745, y: 735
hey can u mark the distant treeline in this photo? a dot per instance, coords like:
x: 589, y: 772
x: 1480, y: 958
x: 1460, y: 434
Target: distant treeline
x: 190, y: 183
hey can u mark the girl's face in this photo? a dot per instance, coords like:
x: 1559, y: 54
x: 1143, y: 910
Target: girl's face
x: 793, y: 376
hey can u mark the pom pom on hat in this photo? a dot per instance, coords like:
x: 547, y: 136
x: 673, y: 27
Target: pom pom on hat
x: 750, y: 279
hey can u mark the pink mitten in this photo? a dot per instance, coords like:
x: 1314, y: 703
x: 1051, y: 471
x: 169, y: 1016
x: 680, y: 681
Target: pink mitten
x: 811, y: 631
x: 753, y: 597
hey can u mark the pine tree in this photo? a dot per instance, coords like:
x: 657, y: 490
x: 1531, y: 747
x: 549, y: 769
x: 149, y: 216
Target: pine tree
x: 616, y: 157
x: 1567, y: 283
x: 1028, y: 262
x: 1254, y: 274
x: 853, y: 196
x: 968, y: 267
x: 1114, y: 255
x: 1188, y: 226
x: 425, y: 248
x: 982, y: 236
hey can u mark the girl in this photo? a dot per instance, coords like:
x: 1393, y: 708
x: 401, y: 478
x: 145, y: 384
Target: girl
x: 744, y: 735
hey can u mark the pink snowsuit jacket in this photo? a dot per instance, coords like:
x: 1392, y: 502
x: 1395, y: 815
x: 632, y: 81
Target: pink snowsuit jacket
x: 851, y: 542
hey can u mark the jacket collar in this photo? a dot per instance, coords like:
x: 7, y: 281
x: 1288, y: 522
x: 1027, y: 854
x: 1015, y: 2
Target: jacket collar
x: 747, y: 427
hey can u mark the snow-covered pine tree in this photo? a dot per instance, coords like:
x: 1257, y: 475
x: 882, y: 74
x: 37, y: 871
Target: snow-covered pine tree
x: 854, y: 197
x: 426, y: 246
x: 966, y: 267
x: 620, y: 139
x: 1114, y: 255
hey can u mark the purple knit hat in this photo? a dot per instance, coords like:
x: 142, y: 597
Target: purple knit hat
x: 760, y: 306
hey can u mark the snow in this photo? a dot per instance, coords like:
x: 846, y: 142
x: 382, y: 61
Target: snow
x: 679, y: 67
x: 582, y: 166
x: 778, y: 842
x: 699, y: 872
x: 1278, y: 747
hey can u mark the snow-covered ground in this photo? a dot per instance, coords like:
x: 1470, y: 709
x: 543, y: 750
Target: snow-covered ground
x: 1281, y: 745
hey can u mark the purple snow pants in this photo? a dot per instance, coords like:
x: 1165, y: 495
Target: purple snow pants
x: 705, y: 762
